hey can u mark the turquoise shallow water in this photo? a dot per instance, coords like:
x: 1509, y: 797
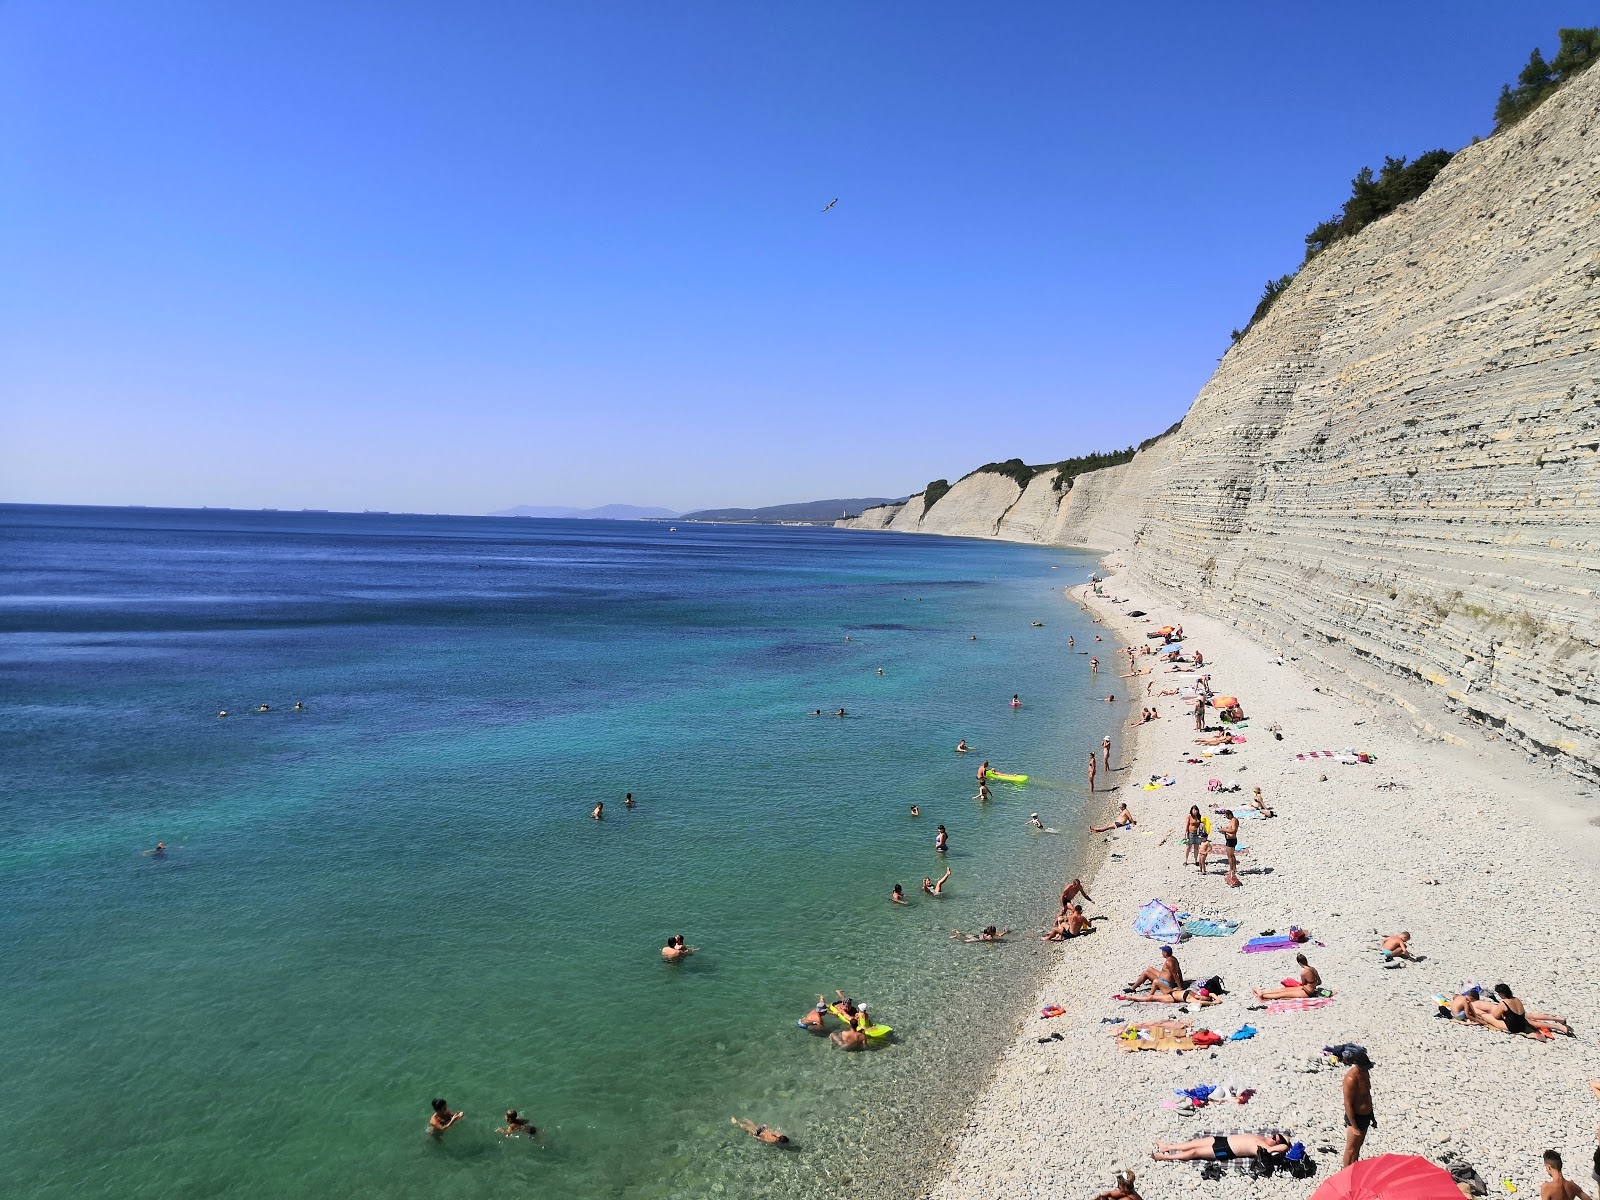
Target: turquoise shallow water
x: 398, y: 894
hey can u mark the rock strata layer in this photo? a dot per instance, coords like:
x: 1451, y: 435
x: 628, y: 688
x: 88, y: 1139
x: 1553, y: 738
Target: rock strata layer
x: 1397, y: 471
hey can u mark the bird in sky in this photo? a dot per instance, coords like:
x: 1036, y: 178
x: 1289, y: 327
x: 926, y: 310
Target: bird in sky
x: 831, y: 203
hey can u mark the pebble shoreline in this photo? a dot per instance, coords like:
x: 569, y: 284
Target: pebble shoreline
x: 1492, y: 866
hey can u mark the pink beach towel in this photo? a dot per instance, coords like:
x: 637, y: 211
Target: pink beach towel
x: 1316, y: 754
x: 1299, y: 1004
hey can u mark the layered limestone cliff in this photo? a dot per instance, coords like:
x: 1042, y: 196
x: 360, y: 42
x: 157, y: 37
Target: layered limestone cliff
x: 1396, y: 474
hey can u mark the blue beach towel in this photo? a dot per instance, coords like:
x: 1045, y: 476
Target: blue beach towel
x: 1206, y: 927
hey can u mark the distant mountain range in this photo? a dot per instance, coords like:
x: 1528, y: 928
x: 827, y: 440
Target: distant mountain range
x: 606, y: 512
x: 811, y: 510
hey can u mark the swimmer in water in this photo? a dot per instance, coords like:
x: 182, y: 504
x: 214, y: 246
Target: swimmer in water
x: 1094, y: 664
x: 932, y: 888
x: 973, y: 638
x: 880, y: 670
x: 299, y: 707
x: 983, y: 793
x: 989, y: 934
x: 263, y: 708
x: 516, y: 1123
x: 815, y: 1020
x: 1016, y: 700
x: 840, y: 713
x: 941, y: 841
x: 442, y: 1118
x: 898, y: 896
x: 627, y: 801
x: 1070, y: 642
x: 761, y: 1133
x: 962, y: 747
x: 1035, y: 822
x: 1038, y: 624
x: 599, y: 812
x: 915, y: 811
x: 160, y: 851
x: 222, y: 713
x: 816, y: 712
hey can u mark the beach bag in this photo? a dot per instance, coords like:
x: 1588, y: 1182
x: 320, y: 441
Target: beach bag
x: 1214, y: 986
x: 1207, y: 1038
x: 1468, y: 1178
x: 1299, y: 1164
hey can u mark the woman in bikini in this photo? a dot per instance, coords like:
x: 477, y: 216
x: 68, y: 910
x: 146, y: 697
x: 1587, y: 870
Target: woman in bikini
x: 1310, y: 984
x: 932, y: 888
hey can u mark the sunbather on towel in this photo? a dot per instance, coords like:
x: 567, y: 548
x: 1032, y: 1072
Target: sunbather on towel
x: 1160, y: 993
x: 1221, y: 1147
x: 1509, y: 1016
x: 1168, y: 973
x: 1310, y: 983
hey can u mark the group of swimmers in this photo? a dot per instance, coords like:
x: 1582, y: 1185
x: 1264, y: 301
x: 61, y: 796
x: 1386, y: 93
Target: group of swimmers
x: 261, y: 708
x: 442, y: 1118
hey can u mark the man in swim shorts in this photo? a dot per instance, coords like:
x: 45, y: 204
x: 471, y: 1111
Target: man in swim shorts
x: 1220, y: 1147
x: 1167, y: 972
x: 760, y: 1132
x: 1358, y: 1116
x: 816, y: 1018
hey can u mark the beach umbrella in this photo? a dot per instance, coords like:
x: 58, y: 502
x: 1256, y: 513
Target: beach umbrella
x: 1390, y: 1177
x: 1224, y: 701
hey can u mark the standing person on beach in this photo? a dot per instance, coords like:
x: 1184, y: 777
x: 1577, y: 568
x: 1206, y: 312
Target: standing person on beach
x: 1193, y: 827
x: 1105, y: 749
x: 1230, y: 846
x: 1358, y: 1116
x: 1073, y: 889
x: 1091, y: 770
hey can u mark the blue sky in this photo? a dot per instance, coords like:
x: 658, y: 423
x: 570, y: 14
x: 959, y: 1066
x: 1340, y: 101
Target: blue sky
x: 453, y: 257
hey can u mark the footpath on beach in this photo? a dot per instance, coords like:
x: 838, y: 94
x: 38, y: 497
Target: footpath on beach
x: 1489, y: 863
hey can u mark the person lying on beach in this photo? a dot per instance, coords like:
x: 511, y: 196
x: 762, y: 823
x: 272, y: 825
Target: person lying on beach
x: 1310, y: 983
x: 1121, y: 1188
x: 1467, y: 1004
x: 962, y: 747
x: 989, y: 934
x: 816, y: 1018
x: 1160, y: 993
x: 760, y: 1132
x: 1133, y: 675
x: 1220, y: 1147
x: 932, y: 888
x: 1075, y: 888
x: 516, y: 1123
x: 442, y: 1118
x: 1394, y: 945
x: 1216, y: 739
x: 1167, y: 973
x: 1509, y: 1016
x: 1124, y: 821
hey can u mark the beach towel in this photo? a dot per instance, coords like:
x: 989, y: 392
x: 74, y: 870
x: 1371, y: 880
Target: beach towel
x: 1315, y: 754
x: 1243, y: 1033
x: 1158, y: 921
x: 1249, y: 814
x: 1257, y: 945
x: 1206, y: 927
x: 1299, y: 1004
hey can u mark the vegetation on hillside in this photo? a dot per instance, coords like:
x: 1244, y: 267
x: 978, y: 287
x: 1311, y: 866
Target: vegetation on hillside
x: 1398, y: 181
x: 933, y: 493
x: 1579, y: 48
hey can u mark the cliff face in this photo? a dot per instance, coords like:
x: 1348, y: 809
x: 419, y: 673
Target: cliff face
x: 1396, y: 474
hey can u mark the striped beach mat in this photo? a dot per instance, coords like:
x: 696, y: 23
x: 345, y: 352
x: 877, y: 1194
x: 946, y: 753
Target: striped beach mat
x: 1206, y: 927
x: 1299, y: 1004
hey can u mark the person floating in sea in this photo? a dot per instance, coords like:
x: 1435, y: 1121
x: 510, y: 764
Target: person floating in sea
x: 761, y: 1132
x: 442, y: 1118
x: 599, y: 812
x: 299, y: 706
x: 516, y: 1123
x: 941, y: 841
x: 159, y: 851
x: 222, y: 714
x: 1070, y: 642
x: 880, y: 670
x: 816, y: 1019
x: 627, y: 801
x: 840, y: 713
x: 816, y: 712
x: 1037, y: 624
x: 1124, y: 819
x: 989, y: 934
x: 973, y: 638
x: 1016, y: 700
x: 932, y: 888
x: 915, y: 811
x: 898, y: 896
x: 263, y: 708
x: 962, y: 747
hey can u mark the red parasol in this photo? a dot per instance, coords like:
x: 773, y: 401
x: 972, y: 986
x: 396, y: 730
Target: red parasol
x: 1390, y: 1177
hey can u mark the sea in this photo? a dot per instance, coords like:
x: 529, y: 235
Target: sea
x: 396, y: 892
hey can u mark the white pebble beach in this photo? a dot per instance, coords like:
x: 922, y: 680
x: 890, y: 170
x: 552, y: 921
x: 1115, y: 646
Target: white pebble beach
x: 1490, y: 863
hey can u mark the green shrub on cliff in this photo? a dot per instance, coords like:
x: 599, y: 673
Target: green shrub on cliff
x: 933, y: 493
x: 1374, y: 196
x: 1066, y: 470
x: 1579, y: 48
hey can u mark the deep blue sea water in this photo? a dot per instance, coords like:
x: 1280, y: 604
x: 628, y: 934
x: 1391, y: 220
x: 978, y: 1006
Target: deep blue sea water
x: 398, y: 893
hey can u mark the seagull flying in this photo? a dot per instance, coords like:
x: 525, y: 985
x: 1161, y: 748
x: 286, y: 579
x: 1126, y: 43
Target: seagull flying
x: 831, y: 203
